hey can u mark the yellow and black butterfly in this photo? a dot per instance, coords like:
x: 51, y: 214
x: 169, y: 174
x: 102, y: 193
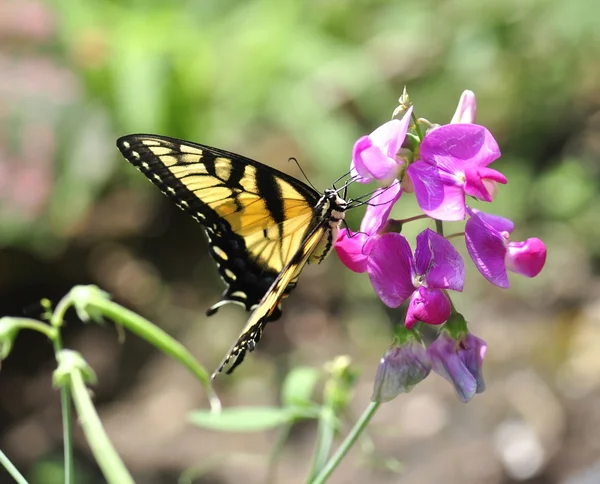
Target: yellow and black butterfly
x: 263, y: 226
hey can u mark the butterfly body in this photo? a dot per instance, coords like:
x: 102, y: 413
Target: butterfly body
x: 263, y: 226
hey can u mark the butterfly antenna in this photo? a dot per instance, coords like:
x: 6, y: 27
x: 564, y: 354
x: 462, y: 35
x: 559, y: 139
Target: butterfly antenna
x: 340, y: 178
x: 357, y: 202
x: 302, y: 171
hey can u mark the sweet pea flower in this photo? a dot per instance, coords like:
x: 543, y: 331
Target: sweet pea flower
x: 400, y: 369
x: 487, y: 238
x: 396, y: 275
x: 460, y: 362
x: 453, y: 163
x: 353, y: 248
x: 466, y: 109
x: 374, y: 156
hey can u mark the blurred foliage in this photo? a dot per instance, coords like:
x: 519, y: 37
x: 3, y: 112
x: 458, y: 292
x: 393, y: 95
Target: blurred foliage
x: 316, y: 74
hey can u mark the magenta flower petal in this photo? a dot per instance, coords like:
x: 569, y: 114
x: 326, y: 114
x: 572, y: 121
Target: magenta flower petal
x: 526, y: 258
x: 390, y: 268
x: 349, y: 248
x: 490, y: 174
x: 439, y: 261
x: 446, y: 362
x: 374, y: 156
x: 379, y: 208
x: 390, y: 136
x: 376, y: 163
x: 430, y: 306
x: 452, y: 146
x: 437, y: 199
x: 501, y: 224
x: 487, y: 248
x: 357, y: 168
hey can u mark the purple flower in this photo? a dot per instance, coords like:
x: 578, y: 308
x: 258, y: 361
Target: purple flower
x: 487, y: 239
x: 374, y: 156
x: 453, y: 163
x: 396, y: 275
x: 400, y: 369
x: 466, y: 109
x: 353, y: 248
x: 459, y: 362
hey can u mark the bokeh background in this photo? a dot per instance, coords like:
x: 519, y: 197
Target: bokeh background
x: 276, y: 79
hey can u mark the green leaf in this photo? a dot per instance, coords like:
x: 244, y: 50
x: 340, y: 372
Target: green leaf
x: 246, y: 419
x: 9, y: 328
x: 299, y: 385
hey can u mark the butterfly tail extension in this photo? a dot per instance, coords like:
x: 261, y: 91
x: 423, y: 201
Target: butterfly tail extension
x: 252, y: 332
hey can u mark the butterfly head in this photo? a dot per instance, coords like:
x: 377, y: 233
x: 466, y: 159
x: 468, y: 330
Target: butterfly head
x: 335, y: 202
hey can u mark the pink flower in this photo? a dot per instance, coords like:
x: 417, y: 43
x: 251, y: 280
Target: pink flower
x: 374, y: 156
x: 466, y: 109
x: 453, y: 164
x: 396, y: 275
x: 460, y: 362
x: 487, y: 239
x: 353, y: 248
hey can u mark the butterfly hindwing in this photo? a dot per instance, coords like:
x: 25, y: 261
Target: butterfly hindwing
x: 252, y: 332
x: 255, y: 217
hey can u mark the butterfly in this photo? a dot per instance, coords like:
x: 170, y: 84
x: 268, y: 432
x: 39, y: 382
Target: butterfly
x: 263, y: 226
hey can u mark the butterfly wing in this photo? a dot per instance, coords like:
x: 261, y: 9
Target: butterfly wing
x: 259, y: 318
x: 256, y: 218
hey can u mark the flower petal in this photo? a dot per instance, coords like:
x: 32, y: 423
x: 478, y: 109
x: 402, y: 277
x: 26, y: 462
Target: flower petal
x: 437, y: 258
x: 349, y: 248
x: 501, y: 224
x: 390, y: 136
x: 390, y: 267
x: 471, y: 351
x: 430, y: 306
x: 379, y: 208
x: 436, y: 199
x: 526, y: 258
x: 487, y: 248
x: 446, y: 363
x: 358, y: 166
x: 453, y: 146
x: 466, y: 109
x: 400, y: 369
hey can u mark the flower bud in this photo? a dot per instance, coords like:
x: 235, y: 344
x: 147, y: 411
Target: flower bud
x: 466, y: 109
x: 400, y: 369
x: 459, y: 361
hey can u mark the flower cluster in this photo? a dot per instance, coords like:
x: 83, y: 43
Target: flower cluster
x: 443, y: 168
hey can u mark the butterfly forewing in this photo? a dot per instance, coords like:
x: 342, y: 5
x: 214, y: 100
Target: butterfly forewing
x: 255, y: 217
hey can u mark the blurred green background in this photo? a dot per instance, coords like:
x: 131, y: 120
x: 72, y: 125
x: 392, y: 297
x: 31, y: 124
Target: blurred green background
x: 276, y: 79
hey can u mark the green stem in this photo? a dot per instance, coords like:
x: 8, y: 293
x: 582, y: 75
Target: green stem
x: 417, y: 127
x: 11, y: 469
x: 347, y: 444
x: 282, y: 438
x: 439, y: 227
x: 35, y: 325
x: 107, y: 458
x: 67, y: 418
x: 325, y: 436
x: 158, y: 338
